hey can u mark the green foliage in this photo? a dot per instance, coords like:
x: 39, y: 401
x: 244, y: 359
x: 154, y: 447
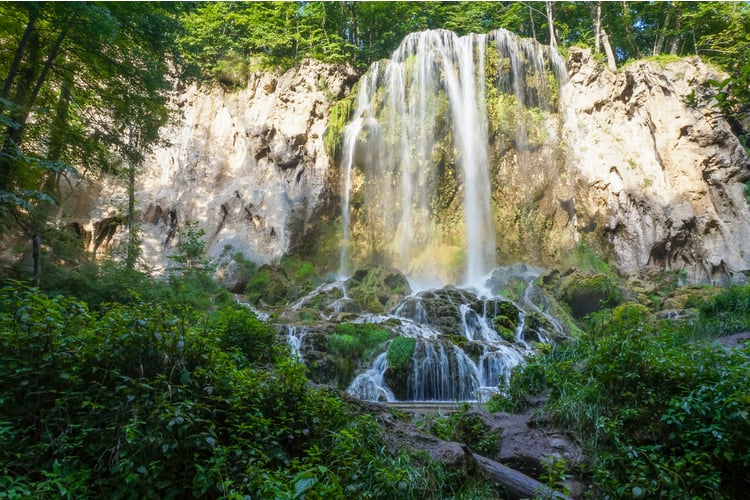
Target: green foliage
x: 84, y: 86
x: 400, y: 351
x: 191, y: 250
x: 337, y: 120
x: 662, y: 410
x: 279, y: 284
x: 555, y: 474
x: 135, y: 401
x: 465, y: 426
x: 349, y: 344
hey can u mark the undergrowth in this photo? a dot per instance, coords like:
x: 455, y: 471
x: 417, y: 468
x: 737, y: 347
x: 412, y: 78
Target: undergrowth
x: 661, y: 408
x: 140, y: 401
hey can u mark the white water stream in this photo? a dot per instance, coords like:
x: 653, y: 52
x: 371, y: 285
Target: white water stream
x: 420, y: 124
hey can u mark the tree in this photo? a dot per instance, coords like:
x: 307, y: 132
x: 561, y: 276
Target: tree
x: 85, y: 89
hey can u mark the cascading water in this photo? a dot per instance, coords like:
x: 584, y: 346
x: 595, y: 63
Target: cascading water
x: 419, y: 143
x: 417, y: 189
x: 351, y: 133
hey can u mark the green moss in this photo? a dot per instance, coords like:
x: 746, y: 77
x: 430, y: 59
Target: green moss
x: 377, y: 288
x: 337, y: 120
x: 400, y: 352
x: 586, y: 293
x: 349, y: 344
x: 506, y: 333
x: 279, y: 284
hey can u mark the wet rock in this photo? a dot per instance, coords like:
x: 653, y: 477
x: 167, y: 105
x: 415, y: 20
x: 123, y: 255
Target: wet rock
x: 442, y: 308
x: 586, y: 293
x: 524, y: 446
x: 377, y: 289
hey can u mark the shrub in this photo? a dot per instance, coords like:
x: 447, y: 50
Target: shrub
x: 140, y: 402
x: 662, y: 411
x: 400, y: 351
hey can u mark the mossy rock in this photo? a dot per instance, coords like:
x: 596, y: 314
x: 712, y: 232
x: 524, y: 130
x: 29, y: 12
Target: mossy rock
x: 400, y: 352
x: 400, y: 366
x: 506, y: 333
x: 443, y: 308
x: 501, y: 313
x: 278, y: 285
x: 586, y: 293
x: 689, y: 296
x: 628, y: 315
x: 270, y: 284
x: 534, y: 325
x: 377, y: 289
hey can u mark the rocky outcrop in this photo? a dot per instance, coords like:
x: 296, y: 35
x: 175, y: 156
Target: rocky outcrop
x: 659, y: 174
x: 247, y: 164
x: 377, y: 289
x: 523, y: 450
x: 635, y: 163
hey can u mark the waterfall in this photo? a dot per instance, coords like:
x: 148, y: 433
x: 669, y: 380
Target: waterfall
x: 418, y: 145
x: 417, y: 190
x: 351, y: 134
x: 294, y: 336
x: 369, y: 384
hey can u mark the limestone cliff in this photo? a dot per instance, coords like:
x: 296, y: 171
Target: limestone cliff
x: 635, y: 162
x: 248, y: 165
x: 658, y: 173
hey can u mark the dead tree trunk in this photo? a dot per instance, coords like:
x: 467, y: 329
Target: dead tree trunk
x: 516, y: 484
x: 611, y: 61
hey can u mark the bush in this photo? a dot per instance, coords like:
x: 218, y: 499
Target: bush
x: 662, y: 411
x: 136, y: 401
x: 349, y: 344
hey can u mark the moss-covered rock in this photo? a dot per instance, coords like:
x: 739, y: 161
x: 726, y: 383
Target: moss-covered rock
x: 443, y: 308
x: 400, y: 365
x: 270, y: 284
x: 501, y: 314
x: 377, y: 289
x: 586, y: 293
x: 689, y: 296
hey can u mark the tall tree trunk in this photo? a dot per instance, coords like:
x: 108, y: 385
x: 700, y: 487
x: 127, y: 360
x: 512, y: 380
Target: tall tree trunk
x: 36, y: 254
x: 18, y: 55
x: 18, y: 112
x: 628, y: 24
x: 58, y: 137
x: 41, y: 80
x: 597, y: 26
x: 662, y: 32
x: 676, y: 39
x: 611, y: 61
x: 551, y: 24
x: 25, y: 101
x: 133, y: 245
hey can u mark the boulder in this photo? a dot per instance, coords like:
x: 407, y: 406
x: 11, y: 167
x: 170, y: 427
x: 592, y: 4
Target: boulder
x: 586, y: 293
x: 377, y: 289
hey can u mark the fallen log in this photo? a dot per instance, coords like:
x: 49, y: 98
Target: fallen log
x: 516, y: 484
x: 401, y: 434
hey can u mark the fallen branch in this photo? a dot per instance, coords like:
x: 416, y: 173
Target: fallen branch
x: 516, y: 484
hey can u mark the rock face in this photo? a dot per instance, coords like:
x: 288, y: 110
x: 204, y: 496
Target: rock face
x: 248, y: 165
x: 636, y: 163
x: 659, y: 179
